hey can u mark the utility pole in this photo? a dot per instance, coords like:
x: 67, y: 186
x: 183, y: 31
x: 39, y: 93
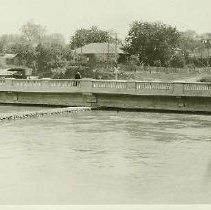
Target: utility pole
x: 108, y: 51
x: 113, y: 34
x: 201, y: 56
x: 208, y: 52
x: 116, y: 47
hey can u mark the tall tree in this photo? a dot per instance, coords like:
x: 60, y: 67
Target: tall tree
x: 152, y: 42
x: 85, y: 36
x: 189, y: 41
x: 26, y: 54
x: 8, y: 40
x: 33, y: 33
x: 49, y: 56
x: 55, y: 38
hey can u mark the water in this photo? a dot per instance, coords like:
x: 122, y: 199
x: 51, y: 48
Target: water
x: 101, y: 157
x: 17, y: 109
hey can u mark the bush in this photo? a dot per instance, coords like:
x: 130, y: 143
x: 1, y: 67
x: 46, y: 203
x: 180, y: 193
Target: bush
x: 177, y: 61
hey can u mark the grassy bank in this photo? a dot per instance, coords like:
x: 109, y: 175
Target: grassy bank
x: 139, y: 73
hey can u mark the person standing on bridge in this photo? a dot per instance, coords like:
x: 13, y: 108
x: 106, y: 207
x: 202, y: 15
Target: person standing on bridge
x: 77, y: 77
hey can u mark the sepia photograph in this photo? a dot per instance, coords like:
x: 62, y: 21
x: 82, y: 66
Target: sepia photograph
x: 105, y: 104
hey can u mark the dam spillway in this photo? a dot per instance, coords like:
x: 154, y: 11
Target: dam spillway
x: 41, y: 113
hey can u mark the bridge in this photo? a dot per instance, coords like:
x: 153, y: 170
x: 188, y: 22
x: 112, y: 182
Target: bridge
x: 142, y: 95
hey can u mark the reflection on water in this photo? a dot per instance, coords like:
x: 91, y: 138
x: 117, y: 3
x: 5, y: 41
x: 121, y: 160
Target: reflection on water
x: 101, y: 157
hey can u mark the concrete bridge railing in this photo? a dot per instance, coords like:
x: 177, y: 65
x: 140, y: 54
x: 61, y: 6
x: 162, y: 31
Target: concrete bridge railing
x: 107, y: 86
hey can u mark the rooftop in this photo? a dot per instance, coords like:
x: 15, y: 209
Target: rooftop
x: 8, y: 56
x: 5, y: 72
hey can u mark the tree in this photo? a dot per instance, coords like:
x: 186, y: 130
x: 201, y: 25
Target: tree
x: 26, y: 54
x: 50, y: 56
x: 205, y: 36
x: 152, y: 42
x: 189, y: 41
x: 86, y: 36
x: 37, y: 50
x: 7, y: 41
x: 55, y: 38
x: 177, y: 61
x: 33, y: 33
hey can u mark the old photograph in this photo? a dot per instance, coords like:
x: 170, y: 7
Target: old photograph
x: 105, y: 102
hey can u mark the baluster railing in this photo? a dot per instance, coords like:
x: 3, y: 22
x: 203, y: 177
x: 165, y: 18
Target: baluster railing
x: 153, y: 86
x: 197, y: 87
x: 108, y: 86
x: 2, y: 82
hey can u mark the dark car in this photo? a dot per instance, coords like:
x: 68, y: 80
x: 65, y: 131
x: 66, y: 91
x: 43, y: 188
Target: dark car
x: 19, y: 73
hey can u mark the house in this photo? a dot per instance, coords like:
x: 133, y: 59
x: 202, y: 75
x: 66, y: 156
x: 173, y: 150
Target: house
x: 16, y: 72
x: 5, y: 73
x: 8, y: 67
x: 100, y: 52
x: 7, y: 59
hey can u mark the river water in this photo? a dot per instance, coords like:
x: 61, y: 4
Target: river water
x: 105, y: 157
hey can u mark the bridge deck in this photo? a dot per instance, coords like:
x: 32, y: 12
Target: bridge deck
x: 107, y: 86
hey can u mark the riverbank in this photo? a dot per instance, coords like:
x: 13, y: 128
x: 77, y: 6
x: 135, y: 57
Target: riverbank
x: 131, y: 72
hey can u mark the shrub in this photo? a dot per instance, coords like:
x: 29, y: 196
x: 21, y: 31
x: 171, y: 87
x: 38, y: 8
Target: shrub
x: 177, y: 61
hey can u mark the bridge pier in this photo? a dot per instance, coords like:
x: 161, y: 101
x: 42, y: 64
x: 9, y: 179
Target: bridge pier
x: 89, y: 99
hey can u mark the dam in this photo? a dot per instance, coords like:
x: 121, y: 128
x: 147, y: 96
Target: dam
x: 40, y: 113
x: 117, y: 94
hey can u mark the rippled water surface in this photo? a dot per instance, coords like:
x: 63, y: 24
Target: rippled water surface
x: 105, y: 157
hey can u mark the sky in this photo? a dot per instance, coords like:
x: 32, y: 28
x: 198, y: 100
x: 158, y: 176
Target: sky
x: 66, y: 16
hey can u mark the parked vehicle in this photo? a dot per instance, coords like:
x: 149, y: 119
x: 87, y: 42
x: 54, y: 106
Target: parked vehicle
x: 19, y: 73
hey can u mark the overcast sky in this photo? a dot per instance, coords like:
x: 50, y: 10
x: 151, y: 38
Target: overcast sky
x: 65, y: 16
